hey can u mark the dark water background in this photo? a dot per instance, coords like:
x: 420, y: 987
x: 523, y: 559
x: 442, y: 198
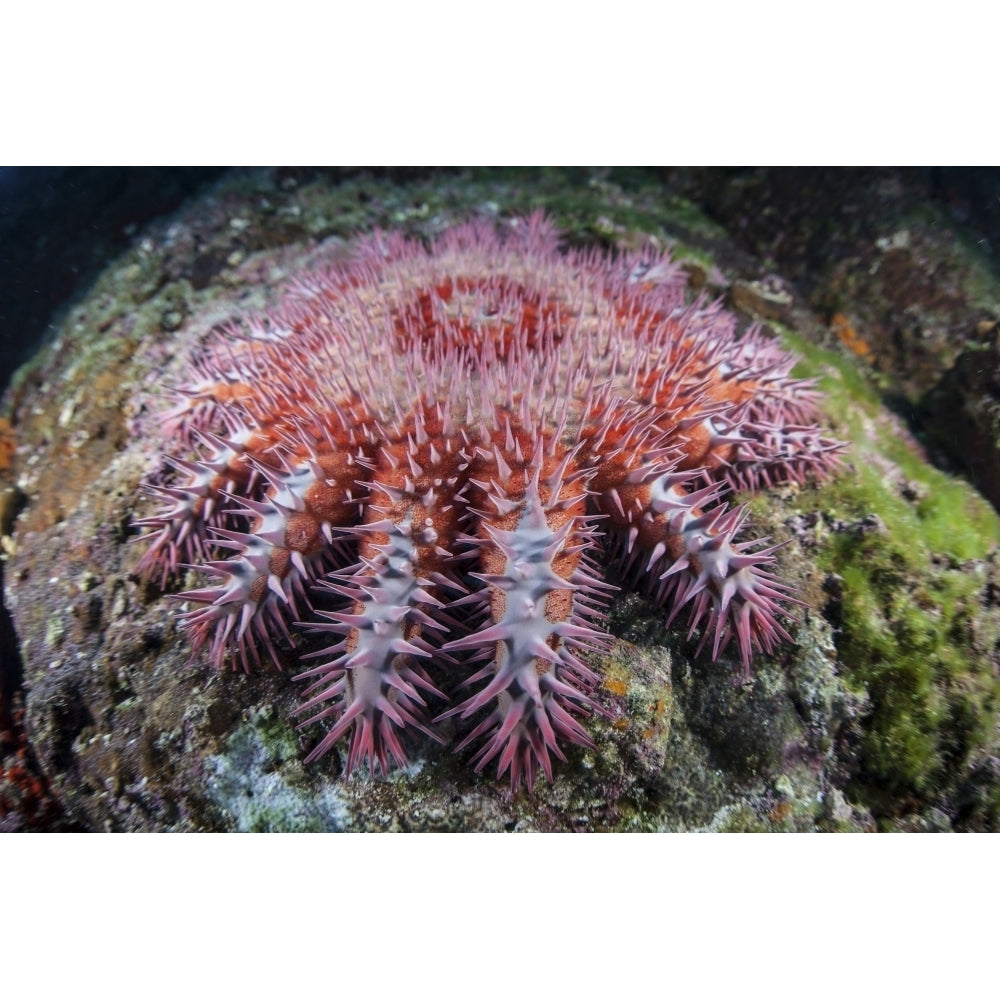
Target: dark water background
x: 59, y: 227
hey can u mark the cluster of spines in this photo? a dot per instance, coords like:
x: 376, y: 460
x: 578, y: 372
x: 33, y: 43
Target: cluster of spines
x: 537, y: 684
x: 302, y: 425
x: 688, y: 555
x: 372, y: 687
x: 180, y: 532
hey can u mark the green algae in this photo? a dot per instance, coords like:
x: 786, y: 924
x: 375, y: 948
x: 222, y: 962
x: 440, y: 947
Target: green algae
x: 947, y: 516
x: 913, y: 634
x: 932, y: 698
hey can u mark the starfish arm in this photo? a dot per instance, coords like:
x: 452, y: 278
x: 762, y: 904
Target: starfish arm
x: 689, y: 556
x: 531, y: 554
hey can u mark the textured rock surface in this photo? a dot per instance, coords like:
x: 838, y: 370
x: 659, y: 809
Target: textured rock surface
x: 883, y: 712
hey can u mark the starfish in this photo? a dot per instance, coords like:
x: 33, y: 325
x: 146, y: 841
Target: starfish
x: 428, y: 453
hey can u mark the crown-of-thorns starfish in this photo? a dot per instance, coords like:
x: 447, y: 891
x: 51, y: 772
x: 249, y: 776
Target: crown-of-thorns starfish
x: 435, y: 443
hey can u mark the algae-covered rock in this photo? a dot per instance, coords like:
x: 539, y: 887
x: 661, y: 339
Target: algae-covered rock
x: 881, y: 712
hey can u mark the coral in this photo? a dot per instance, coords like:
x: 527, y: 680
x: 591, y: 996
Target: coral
x: 26, y: 801
x: 7, y: 443
x: 428, y: 454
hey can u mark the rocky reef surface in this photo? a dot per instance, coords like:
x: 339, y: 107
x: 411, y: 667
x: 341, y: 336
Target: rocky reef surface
x: 883, y: 712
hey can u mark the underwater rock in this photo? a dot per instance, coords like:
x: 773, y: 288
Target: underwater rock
x: 839, y: 729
